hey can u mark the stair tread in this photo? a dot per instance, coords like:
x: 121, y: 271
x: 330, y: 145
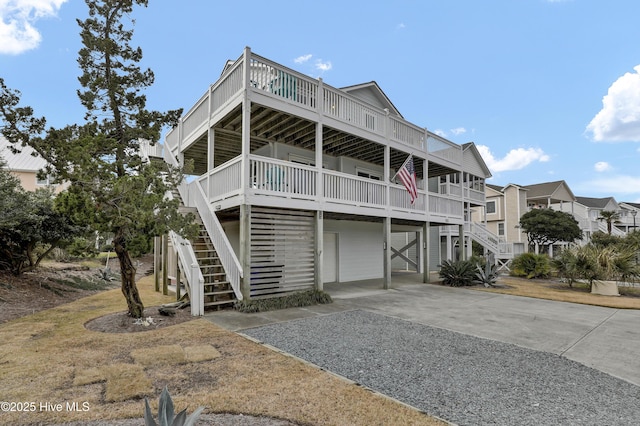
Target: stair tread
x: 216, y: 293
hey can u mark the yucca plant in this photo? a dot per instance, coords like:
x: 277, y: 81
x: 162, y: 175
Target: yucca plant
x: 165, y: 413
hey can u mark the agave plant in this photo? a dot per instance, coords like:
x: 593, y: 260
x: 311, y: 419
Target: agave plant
x: 165, y: 413
x: 487, y: 276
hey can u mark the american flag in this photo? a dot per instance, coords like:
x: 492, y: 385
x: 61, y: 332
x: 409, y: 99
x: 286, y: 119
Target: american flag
x: 407, y: 175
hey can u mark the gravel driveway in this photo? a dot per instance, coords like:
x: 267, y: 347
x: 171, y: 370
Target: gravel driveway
x: 463, y: 379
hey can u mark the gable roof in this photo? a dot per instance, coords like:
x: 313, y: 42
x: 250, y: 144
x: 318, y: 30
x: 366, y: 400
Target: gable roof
x: 371, y: 91
x: 634, y: 205
x: 23, y: 161
x: 596, y: 203
x: 473, y: 149
x: 550, y: 190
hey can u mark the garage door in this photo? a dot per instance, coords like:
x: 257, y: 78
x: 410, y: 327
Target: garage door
x: 330, y: 257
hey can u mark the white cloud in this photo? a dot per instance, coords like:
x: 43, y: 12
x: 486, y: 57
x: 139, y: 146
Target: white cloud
x: 515, y: 159
x: 440, y: 133
x: 17, y: 23
x: 401, y: 26
x: 614, y: 185
x: 458, y: 131
x: 619, y: 118
x: 602, y: 166
x: 302, y: 59
x: 323, y: 66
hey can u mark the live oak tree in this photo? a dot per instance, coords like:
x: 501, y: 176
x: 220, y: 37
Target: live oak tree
x: 111, y: 187
x: 548, y: 226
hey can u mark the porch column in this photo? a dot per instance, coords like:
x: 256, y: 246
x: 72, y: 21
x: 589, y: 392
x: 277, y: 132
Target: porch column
x: 165, y: 264
x: 426, y: 240
x: 320, y: 177
x: 245, y: 179
x: 157, y: 259
x: 245, y: 250
x: 418, y: 252
x: 461, y: 242
x: 386, y: 249
x: 319, y: 256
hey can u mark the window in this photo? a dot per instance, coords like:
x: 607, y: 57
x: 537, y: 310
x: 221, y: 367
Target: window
x: 491, y: 207
x: 369, y: 174
x: 45, y: 180
x: 501, y: 229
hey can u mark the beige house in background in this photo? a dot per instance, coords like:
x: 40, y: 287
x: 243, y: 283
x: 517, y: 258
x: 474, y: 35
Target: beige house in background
x: 25, y: 166
x: 506, y: 204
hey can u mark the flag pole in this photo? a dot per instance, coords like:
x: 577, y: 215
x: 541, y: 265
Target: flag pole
x: 401, y: 167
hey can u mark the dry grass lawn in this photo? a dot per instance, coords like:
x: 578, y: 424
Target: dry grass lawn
x: 554, y: 290
x: 50, y: 357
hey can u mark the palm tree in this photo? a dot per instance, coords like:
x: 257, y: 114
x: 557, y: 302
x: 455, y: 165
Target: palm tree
x: 610, y: 217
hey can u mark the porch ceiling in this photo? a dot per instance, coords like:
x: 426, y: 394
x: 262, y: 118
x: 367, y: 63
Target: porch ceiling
x: 269, y: 125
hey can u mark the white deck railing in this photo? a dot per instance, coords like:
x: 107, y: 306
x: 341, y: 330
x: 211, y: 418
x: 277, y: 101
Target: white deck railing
x: 272, y: 177
x: 265, y: 76
x: 399, y: 198
x: 350, y: 189
x: 474, y: 195
x: 223, y: 181
x: 407, y: 133
x: 268, y: 176
x: 446, y: 206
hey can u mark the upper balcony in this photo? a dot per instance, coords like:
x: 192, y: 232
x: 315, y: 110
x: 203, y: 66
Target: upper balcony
x: 257, y: 107
x: 268, y: 82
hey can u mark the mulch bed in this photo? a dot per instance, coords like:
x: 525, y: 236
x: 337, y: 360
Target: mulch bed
x: 121, y: 322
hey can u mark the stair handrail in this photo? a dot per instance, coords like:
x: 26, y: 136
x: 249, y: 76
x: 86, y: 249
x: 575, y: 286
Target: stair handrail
x: 193, y: 195
x: 186, y: 254
x: 187, y: 258
x: 483, y: 234
x: 221, y: 242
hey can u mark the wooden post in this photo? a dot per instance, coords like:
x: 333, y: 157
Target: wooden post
x: 319, y: 256
x: 245, y: 250
x: 156, y: 262
x: 386, y: 249
x: 461, y: 245
x: 165, y: 266
x: 177, y: 281
x: 197, y: 302
x: 426, y: 237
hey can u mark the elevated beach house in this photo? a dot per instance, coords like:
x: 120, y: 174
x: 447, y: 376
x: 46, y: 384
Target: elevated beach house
x: 296, y: 185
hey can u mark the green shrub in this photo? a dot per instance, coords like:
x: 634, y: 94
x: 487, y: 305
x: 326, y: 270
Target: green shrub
x: 531, y: 265
x: 294, y: 300
x: 459, y: 273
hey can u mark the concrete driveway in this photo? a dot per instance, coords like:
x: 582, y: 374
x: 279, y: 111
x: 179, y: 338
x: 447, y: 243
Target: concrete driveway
x: 602, y: 338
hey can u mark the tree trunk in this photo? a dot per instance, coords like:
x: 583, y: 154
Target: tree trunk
x: 128, y: 277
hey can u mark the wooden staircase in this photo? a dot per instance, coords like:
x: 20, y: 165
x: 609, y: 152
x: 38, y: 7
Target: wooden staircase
x: 217, y: 289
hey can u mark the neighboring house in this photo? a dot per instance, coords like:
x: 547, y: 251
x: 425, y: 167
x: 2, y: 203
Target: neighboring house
x: 295, y: 184
x: 505, y: 205
x: 25, y: 166
x: 587, y: 210
x: 628, y: 214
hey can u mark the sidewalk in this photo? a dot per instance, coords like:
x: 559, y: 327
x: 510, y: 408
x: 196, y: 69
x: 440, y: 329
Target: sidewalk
x: 602, y: 338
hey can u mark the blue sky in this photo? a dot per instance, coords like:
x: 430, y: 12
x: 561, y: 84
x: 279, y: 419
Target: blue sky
x: 547, y: 89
